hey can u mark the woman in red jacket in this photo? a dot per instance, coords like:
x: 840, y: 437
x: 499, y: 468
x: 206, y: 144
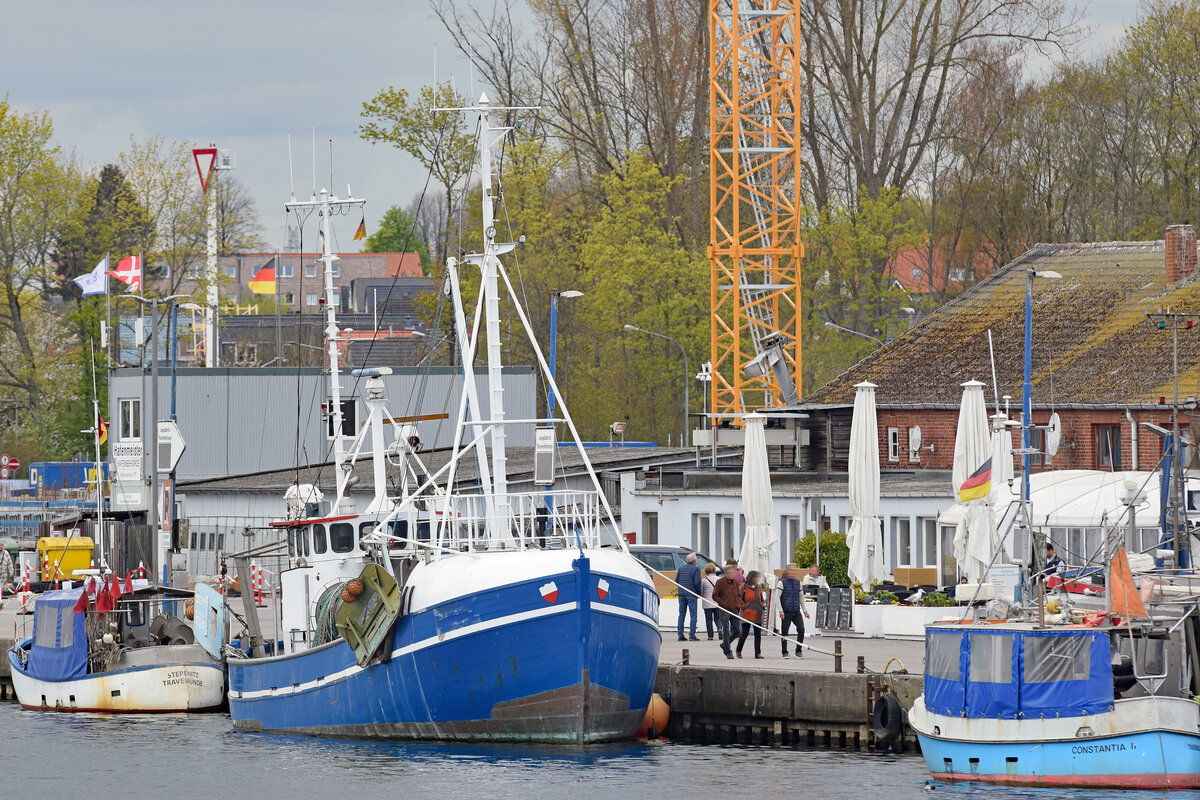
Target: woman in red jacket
x: 752, y: 612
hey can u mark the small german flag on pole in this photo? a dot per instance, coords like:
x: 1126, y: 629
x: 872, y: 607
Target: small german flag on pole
x: 978, y: 485
x: 361, y: 233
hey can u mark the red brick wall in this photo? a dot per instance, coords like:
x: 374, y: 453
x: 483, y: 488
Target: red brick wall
x: 1179, y: 254
x: 1077, y: 449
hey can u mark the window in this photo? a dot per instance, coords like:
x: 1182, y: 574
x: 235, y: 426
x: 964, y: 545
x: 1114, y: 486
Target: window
x: 319, y: 545
x: 310, y: 270
x: 725, y: 543
x: 341, y: 537
x: 650, y: 527
x: 1108, y: 447
x: 702, y: 533
x: 893, y: 441
x: 914, y: 454
x: 204, y: 541
x: 991, y: 658
x: 917, y: 273
x: 1057, y: 658
x: 195, y: 538
x: 221, y: 542
x: 130, y: 428
x: 337, y: 270
x: 337, y: 297
x: 349, y: 418
x: 285, y: 271
x: 1037, y: 440
x: 310, y: 299
x: 230, y: 270
x: 942, y: 656
x: 929, y: 529
x: 793, y: 530
x: 904, y: 543
x: 46, y: 632
x: 287, y: 298
x: 958, y: 275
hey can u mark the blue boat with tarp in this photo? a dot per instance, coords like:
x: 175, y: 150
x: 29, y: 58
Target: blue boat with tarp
x: 1014, y: 702
x: 123, y: 652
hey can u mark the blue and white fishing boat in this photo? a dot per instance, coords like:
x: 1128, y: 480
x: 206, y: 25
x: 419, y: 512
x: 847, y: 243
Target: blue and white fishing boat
x: 435, y: 614
x: 1108, y: 702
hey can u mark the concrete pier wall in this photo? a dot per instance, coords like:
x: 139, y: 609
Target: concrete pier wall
x: 769, y: 707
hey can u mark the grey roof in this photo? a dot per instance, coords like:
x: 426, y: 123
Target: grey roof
x: 908, y: 484
x: 520, y: 467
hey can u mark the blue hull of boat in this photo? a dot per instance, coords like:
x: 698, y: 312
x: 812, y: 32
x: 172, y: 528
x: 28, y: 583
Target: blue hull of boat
x: 1150, y: 760
x: 511, y: 663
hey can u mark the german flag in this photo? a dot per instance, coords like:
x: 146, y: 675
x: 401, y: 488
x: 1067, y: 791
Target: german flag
x: 101, y: 429
x: 361, y: 233
x: 978, y: 485
x: 264, y: 281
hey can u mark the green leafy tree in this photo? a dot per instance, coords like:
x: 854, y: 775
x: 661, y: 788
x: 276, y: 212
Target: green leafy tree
x: 397, y: 233
x: 638, y: 271
x: 835, y: 555
x: 848, y: 281
x: 439, y: 140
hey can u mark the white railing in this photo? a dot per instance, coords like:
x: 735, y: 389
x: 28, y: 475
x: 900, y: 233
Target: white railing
x: 576, y: 519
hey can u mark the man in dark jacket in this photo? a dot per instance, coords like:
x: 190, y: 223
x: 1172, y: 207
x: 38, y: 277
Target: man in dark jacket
x: 688, y: 579
x: 791, y: 606
x: 726, y: 594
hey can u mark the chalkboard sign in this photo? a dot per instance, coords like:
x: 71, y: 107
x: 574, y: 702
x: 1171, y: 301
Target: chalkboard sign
x: 834, y: 609
x: 822, y: 609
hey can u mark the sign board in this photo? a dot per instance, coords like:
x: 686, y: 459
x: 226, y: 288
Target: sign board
x: 544, y: 445
x: 127, y: 461
x: 205, y: 158
x: 170, y: 445
x: 128, y: 497
x: 1006, y: 581
x: 166, y: 509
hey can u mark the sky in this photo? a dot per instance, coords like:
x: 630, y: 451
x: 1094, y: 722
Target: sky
x: 245, y: 75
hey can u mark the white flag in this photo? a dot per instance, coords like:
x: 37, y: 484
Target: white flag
x: 96, y: 281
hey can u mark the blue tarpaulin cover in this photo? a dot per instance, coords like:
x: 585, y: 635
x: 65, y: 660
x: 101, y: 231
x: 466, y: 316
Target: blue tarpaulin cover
x: 60, y: 647
x: 1010, y: 674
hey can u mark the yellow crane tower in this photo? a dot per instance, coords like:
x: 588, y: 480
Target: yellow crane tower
x: 755, y: 249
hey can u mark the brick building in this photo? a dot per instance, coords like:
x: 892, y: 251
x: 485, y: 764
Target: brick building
x: 299, y: 275
x: 1098, y: 361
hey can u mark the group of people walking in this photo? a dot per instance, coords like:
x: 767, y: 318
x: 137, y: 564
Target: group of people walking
x: 735, y: 605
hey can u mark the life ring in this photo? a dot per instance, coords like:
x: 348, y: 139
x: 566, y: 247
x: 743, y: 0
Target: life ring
x: 887, y: 719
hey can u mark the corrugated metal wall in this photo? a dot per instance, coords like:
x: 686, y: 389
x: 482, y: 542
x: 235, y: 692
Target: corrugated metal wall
x: 245, y: 420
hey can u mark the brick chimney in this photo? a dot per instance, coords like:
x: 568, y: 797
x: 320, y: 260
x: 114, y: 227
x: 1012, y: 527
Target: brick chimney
x: 1179, y: 253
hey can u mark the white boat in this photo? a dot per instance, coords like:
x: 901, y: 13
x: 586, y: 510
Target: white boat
x: 433, y: 613
x: 140, y: 657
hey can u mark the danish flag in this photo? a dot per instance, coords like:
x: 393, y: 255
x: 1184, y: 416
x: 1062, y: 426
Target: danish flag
x: 550, y: 592
x: 129, y: 270
x: 602, y: 589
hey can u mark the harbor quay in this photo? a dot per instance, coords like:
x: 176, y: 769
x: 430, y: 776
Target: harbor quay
x: 818, y: 701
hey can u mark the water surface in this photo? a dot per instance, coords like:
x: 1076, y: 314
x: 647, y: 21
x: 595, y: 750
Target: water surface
x: 181, y: 756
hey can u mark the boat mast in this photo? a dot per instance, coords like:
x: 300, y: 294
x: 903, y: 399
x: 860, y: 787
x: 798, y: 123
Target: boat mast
x: 326, y: 206
x: 491, y: 294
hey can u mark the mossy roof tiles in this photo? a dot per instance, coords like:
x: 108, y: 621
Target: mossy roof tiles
x: 1092, y: 342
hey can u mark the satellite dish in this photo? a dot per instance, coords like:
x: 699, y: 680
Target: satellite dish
x: 1053, y: 435
x: 914, y: 438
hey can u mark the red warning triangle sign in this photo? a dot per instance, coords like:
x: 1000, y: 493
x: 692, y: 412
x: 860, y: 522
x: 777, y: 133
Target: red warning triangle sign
x: 205, y: 158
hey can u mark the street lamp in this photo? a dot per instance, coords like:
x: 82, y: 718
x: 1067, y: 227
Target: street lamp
x: 686, y: 374
x: 554, y: 295
x: 1026, y: 405
x: 853, y: 332
x: 152, y: 500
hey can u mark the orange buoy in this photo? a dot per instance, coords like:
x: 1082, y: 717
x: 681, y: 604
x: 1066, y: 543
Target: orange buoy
x: 354, y: 587
x: 658, y: 713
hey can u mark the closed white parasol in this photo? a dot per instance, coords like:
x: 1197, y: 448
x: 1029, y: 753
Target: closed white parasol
x: 974, y: 539
x: 756, y: 501
x: 863, y: 538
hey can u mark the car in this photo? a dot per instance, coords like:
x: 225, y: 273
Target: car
x: 667, y: 558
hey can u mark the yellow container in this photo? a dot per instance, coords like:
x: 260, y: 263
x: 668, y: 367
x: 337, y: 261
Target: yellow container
x: 69, y: 553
